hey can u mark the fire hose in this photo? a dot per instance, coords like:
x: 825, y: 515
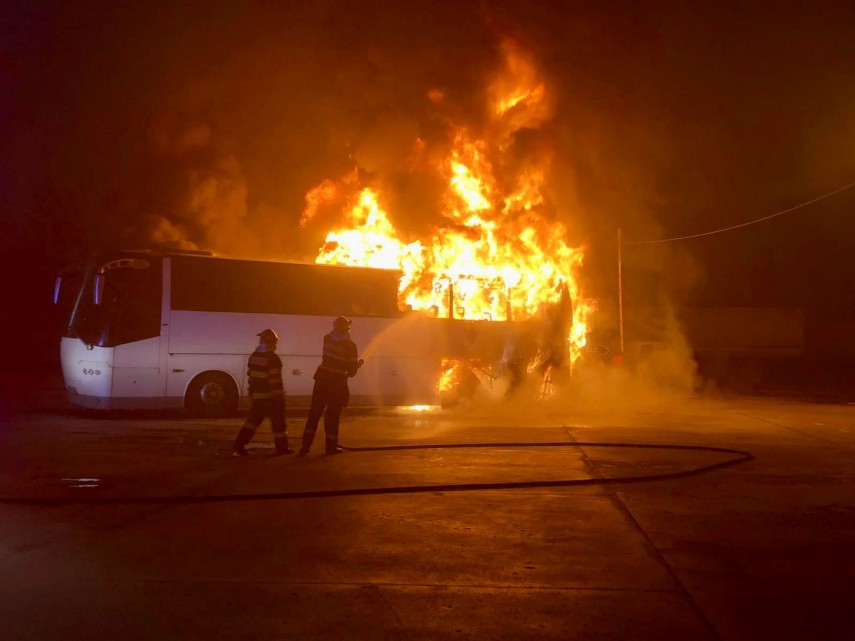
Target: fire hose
x: 736, y: 457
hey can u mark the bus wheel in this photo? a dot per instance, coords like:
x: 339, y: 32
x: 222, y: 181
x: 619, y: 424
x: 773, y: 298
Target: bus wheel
x: 211, y: 395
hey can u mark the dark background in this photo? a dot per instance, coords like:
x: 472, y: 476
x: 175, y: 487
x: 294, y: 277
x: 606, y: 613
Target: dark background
x: 204, y: 125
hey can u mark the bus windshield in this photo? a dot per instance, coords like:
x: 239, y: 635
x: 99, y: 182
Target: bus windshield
x: 128, y: 310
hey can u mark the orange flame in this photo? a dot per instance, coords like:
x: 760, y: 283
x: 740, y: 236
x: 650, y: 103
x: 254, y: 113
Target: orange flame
x: 494, y: 255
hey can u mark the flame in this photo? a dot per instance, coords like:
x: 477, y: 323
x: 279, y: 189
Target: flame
x: 418, y: 408
x: 371, y: 242
x: 520, y: 98
x: 494, y: 254
x: 449, y: 376
x: 457, y: 373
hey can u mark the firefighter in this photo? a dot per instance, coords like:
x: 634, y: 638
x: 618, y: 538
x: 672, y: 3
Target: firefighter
x: 520, y: 350
x: 557, y: 322
x: 330, y: 391
x: 266, y: 394
x: 554, y: 348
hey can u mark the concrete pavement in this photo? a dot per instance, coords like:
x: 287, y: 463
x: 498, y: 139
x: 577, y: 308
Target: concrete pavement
x: 760, y: 550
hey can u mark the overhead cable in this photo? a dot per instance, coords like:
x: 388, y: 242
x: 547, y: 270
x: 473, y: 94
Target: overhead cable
x: 750, y: 222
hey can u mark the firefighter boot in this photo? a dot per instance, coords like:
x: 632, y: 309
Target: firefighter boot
x: 308, y: 437
x: 332, y: 445
x: 244, y: 436
x: 281, y: 443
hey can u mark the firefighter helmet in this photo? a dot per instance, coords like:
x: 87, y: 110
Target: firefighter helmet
x: 268, y: 336
x: 342, y: 323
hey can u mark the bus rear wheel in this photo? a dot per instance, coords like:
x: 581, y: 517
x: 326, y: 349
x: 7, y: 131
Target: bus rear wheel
x: 211, y: 395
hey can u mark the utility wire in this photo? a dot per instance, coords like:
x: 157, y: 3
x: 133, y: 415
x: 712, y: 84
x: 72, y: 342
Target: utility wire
x: 750, y: 222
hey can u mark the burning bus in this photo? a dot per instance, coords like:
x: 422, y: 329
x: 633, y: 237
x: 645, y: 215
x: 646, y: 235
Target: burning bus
x: 157, y: 329
x: 161, y: 329
x: 489, y: 246
x: 485, y: 285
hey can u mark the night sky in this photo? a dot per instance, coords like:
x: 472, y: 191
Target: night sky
x: 205, y: 124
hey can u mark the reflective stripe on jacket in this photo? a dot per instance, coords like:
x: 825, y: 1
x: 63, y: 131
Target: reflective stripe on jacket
x: 340, y: 357
x: 264, y: 374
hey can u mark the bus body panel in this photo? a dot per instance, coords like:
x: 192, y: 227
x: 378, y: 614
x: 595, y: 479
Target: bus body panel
x: 87, y: 372
x: 214, y: 332
x: 399, y: 366
x: 298, y: 376
x: 396, y: 380
x: 136, y: 373
x: 402, y: 361
x: 183, y: 368
x: 211, y: 341
x: 136, y: 382
x: 142, y: 354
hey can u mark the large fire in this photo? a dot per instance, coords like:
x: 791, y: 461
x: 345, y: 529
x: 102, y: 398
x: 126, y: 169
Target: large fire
x: 494, y: 255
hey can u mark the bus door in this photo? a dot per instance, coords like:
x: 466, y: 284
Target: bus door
x: 128, y: 296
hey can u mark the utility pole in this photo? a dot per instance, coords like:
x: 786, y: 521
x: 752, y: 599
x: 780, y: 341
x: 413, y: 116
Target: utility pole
x: 620, y: 287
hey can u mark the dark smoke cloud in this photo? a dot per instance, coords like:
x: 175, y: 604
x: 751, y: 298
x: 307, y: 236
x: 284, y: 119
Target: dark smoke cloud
x: 205, y: 124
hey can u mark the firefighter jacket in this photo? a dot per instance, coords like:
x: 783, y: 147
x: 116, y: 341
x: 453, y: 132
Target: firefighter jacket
x: 264, y: 374
x: 339, y: 360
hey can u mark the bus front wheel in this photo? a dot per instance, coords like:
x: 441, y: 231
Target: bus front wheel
x: 211, y: 395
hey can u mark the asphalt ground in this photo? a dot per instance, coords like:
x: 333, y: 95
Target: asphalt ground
x: 140, y: 526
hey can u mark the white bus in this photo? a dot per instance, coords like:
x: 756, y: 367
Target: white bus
x: 160, y: 329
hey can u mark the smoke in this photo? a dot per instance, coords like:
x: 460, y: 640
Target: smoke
x: 205, y: 125
x: 649, y: 377
x: 206, y: 206
x: 241, y: 145
x: 387, y: 122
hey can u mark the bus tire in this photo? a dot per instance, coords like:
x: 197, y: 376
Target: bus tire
x: 211, y: 395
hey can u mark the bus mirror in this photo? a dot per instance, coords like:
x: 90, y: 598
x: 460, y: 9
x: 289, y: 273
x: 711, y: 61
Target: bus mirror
x: 98, y: 291
x: 56, y: 287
